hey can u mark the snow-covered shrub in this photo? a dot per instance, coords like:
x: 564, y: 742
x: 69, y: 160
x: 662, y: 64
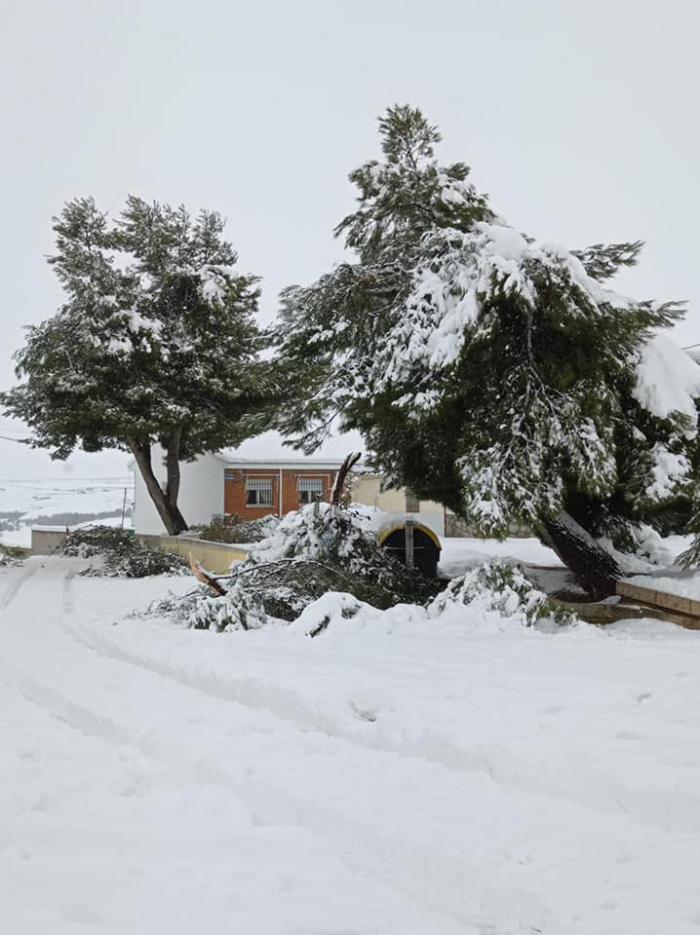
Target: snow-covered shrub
x: 201, y: 610
x: 500, y: 586
x: 320, y: 549
x: 119, y: 555
x: 314, y: 551
x: 9, y: 556
x: 234, y: 529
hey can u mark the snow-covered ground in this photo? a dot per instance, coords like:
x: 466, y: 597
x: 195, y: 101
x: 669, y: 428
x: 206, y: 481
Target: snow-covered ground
x: 407, y: 776
x: 22, y: 503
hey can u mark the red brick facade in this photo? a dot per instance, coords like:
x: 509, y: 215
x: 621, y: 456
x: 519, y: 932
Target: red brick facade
x: 236, y: 496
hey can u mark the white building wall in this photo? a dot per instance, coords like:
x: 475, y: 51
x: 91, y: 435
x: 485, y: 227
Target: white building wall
x: 201, y: 493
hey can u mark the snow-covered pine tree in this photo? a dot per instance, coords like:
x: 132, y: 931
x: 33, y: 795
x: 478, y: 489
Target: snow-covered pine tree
x: 486, y: 370
x: 155, y: 343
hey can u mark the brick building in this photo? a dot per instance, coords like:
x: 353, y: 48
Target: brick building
x: 223, y: 482
x: 258, y: 488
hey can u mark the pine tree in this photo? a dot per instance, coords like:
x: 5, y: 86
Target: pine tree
x: 155, y: 343
x: 493, y: 373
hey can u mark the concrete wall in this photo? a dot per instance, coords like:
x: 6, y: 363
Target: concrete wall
x: 366, y: 489
x: 47, y: 541
x: 201, y: 493
x: 214, y: 556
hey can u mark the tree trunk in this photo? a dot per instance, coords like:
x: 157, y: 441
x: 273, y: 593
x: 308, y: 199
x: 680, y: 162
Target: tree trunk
x: 172, y: 465
x: 165, y: 503
x: 596, y: 570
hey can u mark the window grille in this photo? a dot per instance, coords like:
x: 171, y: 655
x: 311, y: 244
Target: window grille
x: 412, y: 502
x: 258, y: 491
x: 310, y: 489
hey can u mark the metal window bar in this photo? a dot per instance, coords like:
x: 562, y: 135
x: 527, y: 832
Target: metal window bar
x: 310, y: 489
x: 412, y: 502
x: 258, y: 491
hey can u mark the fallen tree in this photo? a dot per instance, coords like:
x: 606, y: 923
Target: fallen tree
x: 117, y: 554
x: 488, y: 371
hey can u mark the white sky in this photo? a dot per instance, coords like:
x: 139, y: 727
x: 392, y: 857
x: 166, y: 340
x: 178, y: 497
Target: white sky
x: 580, y: 119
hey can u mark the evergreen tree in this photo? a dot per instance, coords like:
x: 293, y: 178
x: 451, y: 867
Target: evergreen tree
x: 495, y: 374
x: 155, y: 343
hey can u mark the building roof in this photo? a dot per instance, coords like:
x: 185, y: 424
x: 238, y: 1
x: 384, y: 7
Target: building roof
x: 278, y: 464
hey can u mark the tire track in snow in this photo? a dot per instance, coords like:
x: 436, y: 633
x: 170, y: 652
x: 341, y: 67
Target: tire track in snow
x: 678, y: 815
x: 452, y: 882
x: 401, y: 865
x: 68, y: 599
x: 439, y: 882
x: 15, y: 586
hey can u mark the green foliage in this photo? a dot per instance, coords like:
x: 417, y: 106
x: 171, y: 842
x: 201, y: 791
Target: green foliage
x: 485, y: 370
x: 239, y: 609
x: 120, y: 555
x: 602, y: 261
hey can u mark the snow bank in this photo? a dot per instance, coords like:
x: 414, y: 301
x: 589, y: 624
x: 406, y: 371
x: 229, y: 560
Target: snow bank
x: 459, y: 553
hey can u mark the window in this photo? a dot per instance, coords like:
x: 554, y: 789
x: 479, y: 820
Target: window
x: 258, y: 491
x: 310, y: 489
x: 412, y: 502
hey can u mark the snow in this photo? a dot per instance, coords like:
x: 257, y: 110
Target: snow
x: 18, y: 538
x: 668, y: 470
x: 459, y: 274
x: 44, y: 498
x: 457, y: 554
x: 671, y: 581
x: 391, y: 775
x: 86, y: 497
x: 668, y: 380
x: 653, y: 551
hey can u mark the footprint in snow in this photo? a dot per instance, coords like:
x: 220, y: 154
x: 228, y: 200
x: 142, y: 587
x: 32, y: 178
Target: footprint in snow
x: 365, y: 714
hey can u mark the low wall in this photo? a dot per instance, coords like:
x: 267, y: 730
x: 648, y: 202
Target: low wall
x: 214, y: 556
x: 47, y: 540
x: 676, y: 609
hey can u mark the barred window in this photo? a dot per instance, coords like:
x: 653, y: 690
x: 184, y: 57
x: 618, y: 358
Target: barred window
x: 258, y: 491
x: 412, y: 502
x: 310, y: 489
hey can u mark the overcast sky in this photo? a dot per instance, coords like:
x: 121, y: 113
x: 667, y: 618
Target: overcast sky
x: 580, y: 120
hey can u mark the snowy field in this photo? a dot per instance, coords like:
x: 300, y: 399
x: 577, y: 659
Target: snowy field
x: 24, y: 503
x: 401, y: 777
